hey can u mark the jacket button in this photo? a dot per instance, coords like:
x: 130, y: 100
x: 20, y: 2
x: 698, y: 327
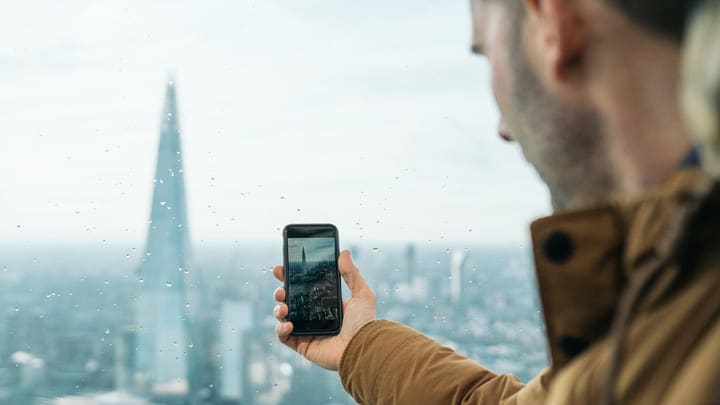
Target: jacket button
x: 558, y: 247
x: 572, y: 346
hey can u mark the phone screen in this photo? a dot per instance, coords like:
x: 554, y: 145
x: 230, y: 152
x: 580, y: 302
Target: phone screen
x: 312, y: 281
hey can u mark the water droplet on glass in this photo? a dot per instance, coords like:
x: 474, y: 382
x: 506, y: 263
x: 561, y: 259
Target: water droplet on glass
x: 163, y: 202
x: 107, y: 331
x: 168, y: 284
x: 106, y: 282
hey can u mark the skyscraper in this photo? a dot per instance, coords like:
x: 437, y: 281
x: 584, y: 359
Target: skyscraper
x: 409, y: 263
x: 162, y: 312
x: 457, y: 262
x: 304, y: 259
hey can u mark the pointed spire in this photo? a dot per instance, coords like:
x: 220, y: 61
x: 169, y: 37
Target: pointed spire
x: 161, y: 306
x: 170, y: 103
x: 168, y: 227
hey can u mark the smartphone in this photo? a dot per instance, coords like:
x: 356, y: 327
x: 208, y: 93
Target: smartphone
x: 312, y: 279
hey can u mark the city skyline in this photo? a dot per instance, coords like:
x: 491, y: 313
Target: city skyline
x: 292, y: 112
x: 314, y: 249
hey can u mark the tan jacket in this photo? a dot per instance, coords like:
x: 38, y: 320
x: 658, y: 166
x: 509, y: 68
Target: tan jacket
x: 631, y: 298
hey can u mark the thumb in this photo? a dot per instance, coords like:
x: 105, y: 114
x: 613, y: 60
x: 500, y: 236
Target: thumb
x: 351, y: 274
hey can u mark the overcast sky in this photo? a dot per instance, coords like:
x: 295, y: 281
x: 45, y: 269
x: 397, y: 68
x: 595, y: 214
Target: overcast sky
x: 370, y: 115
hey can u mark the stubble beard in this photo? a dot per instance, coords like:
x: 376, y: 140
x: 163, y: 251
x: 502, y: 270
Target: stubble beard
x: 566, y: 145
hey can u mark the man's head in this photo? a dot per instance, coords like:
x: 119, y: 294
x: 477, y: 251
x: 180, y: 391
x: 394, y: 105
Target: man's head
x: 582, y: 84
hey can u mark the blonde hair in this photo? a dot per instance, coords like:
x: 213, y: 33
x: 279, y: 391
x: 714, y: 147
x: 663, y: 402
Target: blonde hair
x: 701, y: 83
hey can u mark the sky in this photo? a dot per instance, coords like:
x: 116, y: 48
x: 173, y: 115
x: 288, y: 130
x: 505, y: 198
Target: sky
x: 370, y: 115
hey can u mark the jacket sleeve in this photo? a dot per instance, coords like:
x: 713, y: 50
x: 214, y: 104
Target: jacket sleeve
x: 388, y: 363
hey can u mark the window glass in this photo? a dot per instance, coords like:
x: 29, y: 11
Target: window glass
x: 153, y: 151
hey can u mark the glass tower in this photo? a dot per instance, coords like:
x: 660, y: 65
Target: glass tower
x: 163, y: 305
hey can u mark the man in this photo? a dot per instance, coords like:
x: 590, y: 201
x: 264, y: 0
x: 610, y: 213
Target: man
x: 627, y: 266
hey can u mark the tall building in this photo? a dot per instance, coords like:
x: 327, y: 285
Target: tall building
x: 236, y: 317
x: 304, y: 259
x: 409, y: 263
x: 163, y: 317
x: 457, y: 262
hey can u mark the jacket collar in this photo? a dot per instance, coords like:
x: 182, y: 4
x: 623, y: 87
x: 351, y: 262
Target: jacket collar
x: 584, y: 259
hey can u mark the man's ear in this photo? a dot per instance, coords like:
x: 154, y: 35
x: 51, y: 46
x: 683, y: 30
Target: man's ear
x: 562, y: 36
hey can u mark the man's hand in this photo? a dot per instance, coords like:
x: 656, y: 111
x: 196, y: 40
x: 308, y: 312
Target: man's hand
x: 358, y: 310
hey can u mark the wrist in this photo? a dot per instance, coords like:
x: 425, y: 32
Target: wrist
x: 356, y: 331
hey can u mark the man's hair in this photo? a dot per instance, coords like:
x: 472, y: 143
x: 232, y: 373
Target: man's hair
x: 666, y: 17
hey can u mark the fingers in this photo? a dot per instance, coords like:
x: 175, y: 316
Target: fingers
x: 279, y: 294
x: 280, y: 312
x: 351, y: 274
x: 278, y: 273
x: 283, y: 330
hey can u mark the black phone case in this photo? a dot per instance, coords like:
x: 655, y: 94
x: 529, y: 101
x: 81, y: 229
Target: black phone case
x: 327, y: 332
